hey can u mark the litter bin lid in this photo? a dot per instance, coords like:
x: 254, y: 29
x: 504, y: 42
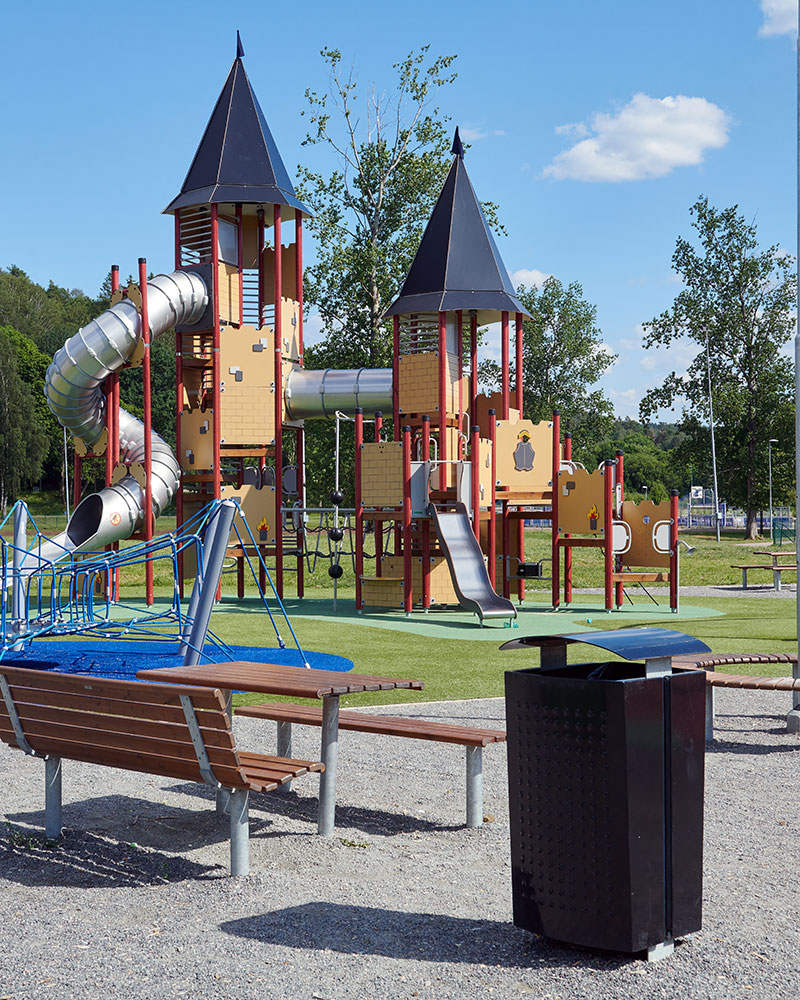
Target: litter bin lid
x: 630, y: 643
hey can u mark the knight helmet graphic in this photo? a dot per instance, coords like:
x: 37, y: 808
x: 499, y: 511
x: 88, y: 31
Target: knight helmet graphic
x: 524, y: 454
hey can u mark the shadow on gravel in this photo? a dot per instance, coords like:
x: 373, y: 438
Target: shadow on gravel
x: 282, y: 802
x: 426, y: 937
x: 82, y: 860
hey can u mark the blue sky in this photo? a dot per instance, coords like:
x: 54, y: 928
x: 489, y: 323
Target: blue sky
x: 594, y: 127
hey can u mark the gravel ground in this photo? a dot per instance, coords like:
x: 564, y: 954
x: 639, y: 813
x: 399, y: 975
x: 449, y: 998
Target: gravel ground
x: 134, y: 900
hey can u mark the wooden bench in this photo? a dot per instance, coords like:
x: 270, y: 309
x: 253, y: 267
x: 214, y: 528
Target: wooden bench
x: 748, y: 682
x: 474, y: 740
x: 775, y: 568
x: 163, y: 729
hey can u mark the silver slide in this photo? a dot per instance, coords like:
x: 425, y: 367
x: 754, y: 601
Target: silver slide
x: 467, y: 568
x: 73, y: 387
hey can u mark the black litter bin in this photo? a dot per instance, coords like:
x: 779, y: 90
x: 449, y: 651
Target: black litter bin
x: 606, y: 769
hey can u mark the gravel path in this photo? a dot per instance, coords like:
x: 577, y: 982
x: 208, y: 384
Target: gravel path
x: 134, y: 901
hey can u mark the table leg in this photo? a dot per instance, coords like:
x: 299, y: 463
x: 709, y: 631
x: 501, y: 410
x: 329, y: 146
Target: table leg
x: 284, y: 749
x: 329, y: 753
x: 223, y: 794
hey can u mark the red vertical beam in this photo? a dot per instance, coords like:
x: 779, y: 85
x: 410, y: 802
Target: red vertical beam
x: 506, y: 548
x: 262, y: 236
x: 148, y: 430
x: 216, y: 391
x: 673, y: 550
x: 240, y: 559
x: 492, y: 522
x: 442, y: 394
x: 278, y: 376
x: 556, y: 564
x: 619, y: 594
x: 359, y: 428
x: 504, y: 363
x: 475, y: 456
x: 473, y: 356
x: 378, y: 524
x: 460, y: 349
x: 567, y: 550
x: 396, y: 376
x: 111, y: 416
x: 301, y: 537
x: 426, y: 524
x: 407, y: 570
x: 77, y: 466
x: 240, y: 260
x: 178, y: 403
x: 518, y: 373
x: 608, y: 513
x: 298, y: 279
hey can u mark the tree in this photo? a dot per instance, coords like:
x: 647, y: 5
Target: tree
x: 371, y: 210
x: 563, y: 356
x: 23, y: 436
x: 736, y: 307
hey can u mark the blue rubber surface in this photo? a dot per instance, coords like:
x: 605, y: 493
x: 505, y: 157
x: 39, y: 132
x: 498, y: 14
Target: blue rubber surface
x: 121, y: 658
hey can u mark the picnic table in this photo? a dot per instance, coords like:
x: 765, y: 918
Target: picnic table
x: 296, y: 682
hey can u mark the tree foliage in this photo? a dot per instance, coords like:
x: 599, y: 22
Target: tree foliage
x: 23, y: 436
x: 736, y: 309
x: 563, y: 356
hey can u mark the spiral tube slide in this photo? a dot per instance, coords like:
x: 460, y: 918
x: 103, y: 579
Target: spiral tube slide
x: 73, y: 387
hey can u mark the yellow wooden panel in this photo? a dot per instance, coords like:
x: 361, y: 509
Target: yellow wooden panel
x: 441, y: 583
x: 580, y: 502
x: 197, y: 440
x: 494, y: 402
x: 259, y: 511
x: 524, y: 454
x: 382, y: 474
x: 288, y: 273
x: 247, y: 356
x: 248, y: 415
x: 382, y: 593
x: 228, y: 303
x: 290, y: 329
x: 642, y: 518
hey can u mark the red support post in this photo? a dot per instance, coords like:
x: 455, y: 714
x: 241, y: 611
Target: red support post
x: 619, y: 594
x: 359, y: 428
x: 407, y: 570
x: 518, y: 369
x: 492, y: 504
x: 240, y: 260
x: 378, y: 524
x: 460, y: 349
x: 240, y: 559
x: 504, y: 364
x: 396, y: 377
x: 567, y: 550
x: 426, y: 524
x: 77, y: 467
x: 148, y: 430
x: 475, y: 456
x: 298, y: 279
x: 473, y: 355
x: 216, y: 402
x: 556, y: 560
x: 608, y: 514
x: 300, y: 450
x: 673, y: 550
x: 506, y: 549
x: 444, y: 479
x: 262, y: 238
x: 178, y: 404
x: 278, y: 377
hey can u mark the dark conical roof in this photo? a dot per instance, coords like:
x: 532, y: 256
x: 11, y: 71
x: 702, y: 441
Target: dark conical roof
x: 458, y: 265
x: 237, y: 159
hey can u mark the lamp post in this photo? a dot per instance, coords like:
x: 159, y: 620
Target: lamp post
x: 644, y: 488
x: 770, y: 443
x: 713, y: 444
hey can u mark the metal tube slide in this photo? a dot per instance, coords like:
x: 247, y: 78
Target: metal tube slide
x: 73, y: 387
x: 313, y: 394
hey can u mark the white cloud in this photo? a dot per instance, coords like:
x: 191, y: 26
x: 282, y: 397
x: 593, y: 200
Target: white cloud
x: 473, y: 133
x: 574, y: 128
x: 529, y: 277
x: 648, y: 137
x: 312, y: 328
x: 780, y: 17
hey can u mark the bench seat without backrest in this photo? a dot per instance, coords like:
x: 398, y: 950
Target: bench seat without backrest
x: 776, y: 569
x: 286, y: 713
x: 163, y: 729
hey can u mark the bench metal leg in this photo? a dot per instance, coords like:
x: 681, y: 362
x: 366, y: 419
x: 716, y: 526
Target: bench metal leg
x: 223, y: 800
x: 52, y: 797
x: 239, y: 803
x: 744, y: 579
x: 474, y: 786
x: 709, y: 712
x: 329, y: 753
x: 284, y: 749
x: 776, y: 579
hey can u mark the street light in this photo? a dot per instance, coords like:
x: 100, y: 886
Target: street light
x: 645, y: 492
x: 770, y: 443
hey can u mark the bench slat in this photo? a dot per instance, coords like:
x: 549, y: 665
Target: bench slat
x: 212, y: 736
x: 387, y: 725
x: 100, y: 688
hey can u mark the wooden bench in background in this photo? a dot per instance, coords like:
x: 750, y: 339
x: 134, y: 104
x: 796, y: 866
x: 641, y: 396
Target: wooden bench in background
x: 747, y: 682
x: 775, y: 568
x: 163, y: 729
x: 474, y: 740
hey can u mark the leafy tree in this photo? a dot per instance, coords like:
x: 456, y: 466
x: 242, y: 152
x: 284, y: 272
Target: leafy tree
x: 563, y: 356
x: 736, y: 307
x: 24, y: 439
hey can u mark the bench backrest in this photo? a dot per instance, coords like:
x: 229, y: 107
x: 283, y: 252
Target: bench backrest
x: 128, y: 724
